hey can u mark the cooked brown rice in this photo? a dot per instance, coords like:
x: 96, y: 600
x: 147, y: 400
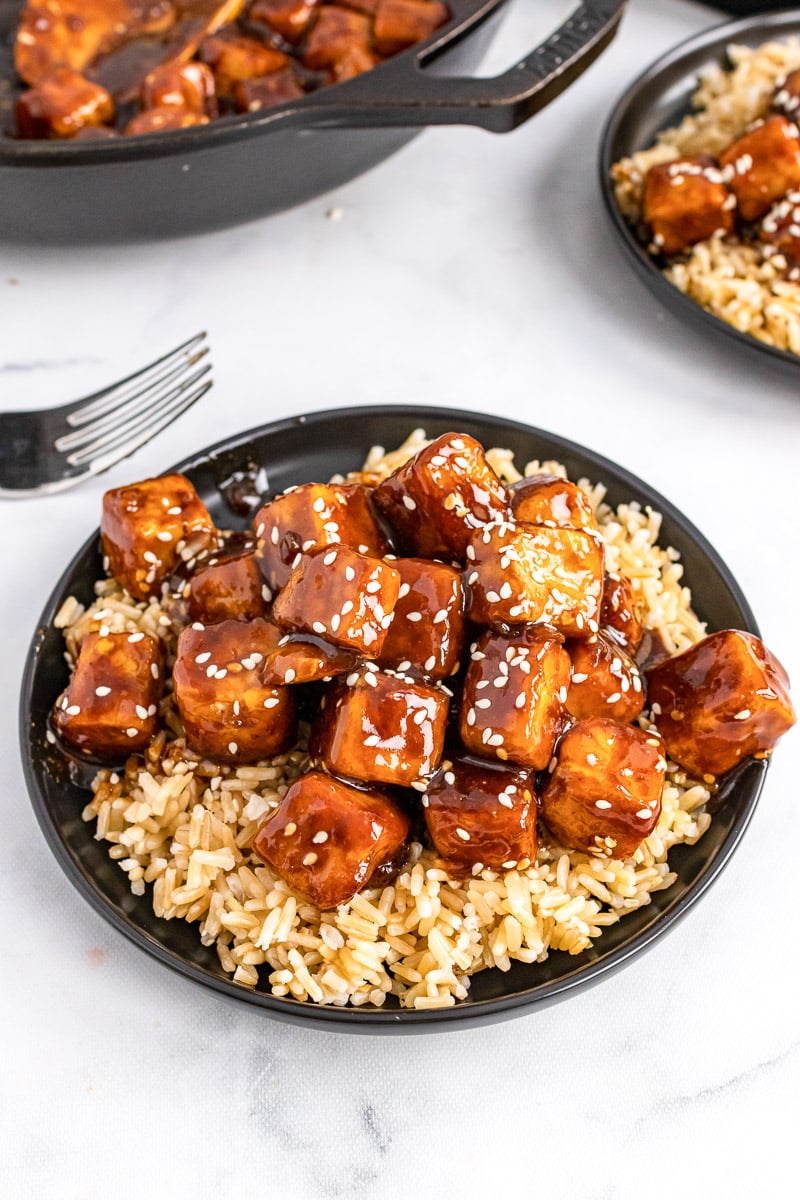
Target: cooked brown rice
x: 185, y: 826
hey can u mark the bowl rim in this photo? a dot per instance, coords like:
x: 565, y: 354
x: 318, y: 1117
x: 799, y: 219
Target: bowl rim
x: 363, y: 1020
x: 713, y: 40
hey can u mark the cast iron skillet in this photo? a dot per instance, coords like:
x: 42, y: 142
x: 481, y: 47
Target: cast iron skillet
x: 246, y: 166
x: 658, y: 99
x: 314, y: 447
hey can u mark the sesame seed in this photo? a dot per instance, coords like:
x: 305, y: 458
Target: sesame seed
x: 319, y: 504
x: 349, y: 574
x: 289, y: 676
x: 493, y: 597
x: 430, y: 662
x: 347, y: 607
x: 74, y: 709
x: 271, y: 702
x: 371, y: 679
x: 289, y: 828
x: 579, y: 678
x: 132, y: 733
x: 614, y: 697
x: 204, y: 657
x: 521, y: 700
x: 102, y: 691
x: 742, y: 715
x: 141, y: 712
x: 318, y: 627
x: 329, y: 558
x: 496, y: 739
x: 505, y: 800
x: 149, y: 557
x: 414, y: 616
x: 471, y: 717
x: 409, y: 503
x: 164, y: 535
x: 175, y: 511
x: 236, y: 708
x: 462, y: 833
x: 644, y: 814
x: 352, y: 679
x: 602, y: 804
x: 373, y: 586
x: 319, y: 838
x: 135, y: 637
x: 198, y: 625
x: 274, y: 535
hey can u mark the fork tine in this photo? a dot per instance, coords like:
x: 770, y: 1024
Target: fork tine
x: 126, y: 407
x: 142, y: 420
x: 99, y: 403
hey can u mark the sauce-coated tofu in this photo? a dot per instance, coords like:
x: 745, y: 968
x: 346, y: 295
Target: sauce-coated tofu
x: 604, y: 794
x: 514, y: 694
x: 228, y: 590
x: 146, y: 527
x: 427, y: 632
x: 345, y: 597
x: 550, y: 500
x: 780, y: 229
x: 327, y: 839
x: 381, y: 728
x: 270, y: 90
x: 234, y: 59
x: 61, y: 105
x: 686, y: 201
x: 166, y: 116
x: 109, y: 708
x: 621, y: 612
x: 315, y: 514
x: 436, y: 500
x: 290, y: 18
x: 305, y: 660
x: 763, y: 166
x: 181, y: 85
x: 605, y: 681
x: 522, y: 573
x: 481, y: 814
x: 335, y: 34
x: 354, y: 62
x: 720, y: 701
x: 402, y: 23
x: 230, y: 715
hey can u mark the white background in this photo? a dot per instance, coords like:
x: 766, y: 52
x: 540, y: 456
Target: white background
x: 476, y: 271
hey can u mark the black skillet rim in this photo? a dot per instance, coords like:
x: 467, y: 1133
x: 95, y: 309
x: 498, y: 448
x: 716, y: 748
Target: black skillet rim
x: 466, y: 1013
x: 670, y: 64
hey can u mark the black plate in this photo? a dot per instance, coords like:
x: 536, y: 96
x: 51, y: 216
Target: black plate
x: 657, y: 100
x: 314, y: 447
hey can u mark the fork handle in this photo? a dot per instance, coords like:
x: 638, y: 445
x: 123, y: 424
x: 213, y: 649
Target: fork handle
x: 21, y: 454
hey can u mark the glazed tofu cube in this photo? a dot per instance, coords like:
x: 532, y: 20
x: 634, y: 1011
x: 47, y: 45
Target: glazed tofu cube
x: 724, y: 699
x: 234, y: 59
x: 354, y: 62
x: 381, y: 728
x: 335, y: 34
x: 427, y: 632
x: 605, y: 681
x: 289, y: 18
x: 305, y: 660
x: 230, y: 715
x: 167, y: 116
x: 402, y: 23
x: 786, y: 98
x: 522, y: 573
x: 327, y: 839
x: 436, y: 500
x: 181, y: 85
x: 229, y: 590
x: 550, y: 500
x: 514, y: 694
x: 621, y: 612
x: 763, y: 166
x: 686, y: 201
x: 780, y: 231
x: 604, y: 793
x: 482, y: 814
x: 315, y: 514
x: 149, y: 527
x: 110, y: 706
x: 61, y: 105
x: 345, y: 597
x: 254, y: 94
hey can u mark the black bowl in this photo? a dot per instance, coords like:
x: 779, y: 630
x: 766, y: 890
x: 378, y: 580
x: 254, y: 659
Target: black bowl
x: 314, y: 447
x: 657, y: 100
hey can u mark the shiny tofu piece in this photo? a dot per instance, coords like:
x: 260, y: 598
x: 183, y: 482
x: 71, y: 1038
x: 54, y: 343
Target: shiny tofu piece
x: 109, y: 709
x: 252, y: 95
x: 315, y: 514
x: 188, y: 86
x: 298, y: 660
x: 436, y: 500
x: 604, y: 793
x: 786, y: 98
x: 621, y: 612
x: 780, y: 231
x: 327, y: 839
x: 230, y: 715
x: 334, y: 35
x: 605, y: 681
x: 148, y: 528
x: 235, y: 59
x: 402, y: 23
x: 686, y: 201
x: 166, y: 116
x: 763, y: 166
x: 550, y: 500
x: 73, y: 33
x: 289, y: 18
x: 355, y: 62
x: 345, y: 597
x: 381, y: 728
x: 427, y: 632
x: 722, y: 700
x: 482, y: 814
x: 523, y: 573
x: 231, y: 589
x: 515, y: 689
x: 62, y: 105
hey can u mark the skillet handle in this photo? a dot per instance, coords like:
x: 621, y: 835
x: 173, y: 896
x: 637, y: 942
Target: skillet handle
x: 416, y: 97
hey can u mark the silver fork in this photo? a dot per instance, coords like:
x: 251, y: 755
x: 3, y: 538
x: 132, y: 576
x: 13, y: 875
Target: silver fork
x: 45, y: 451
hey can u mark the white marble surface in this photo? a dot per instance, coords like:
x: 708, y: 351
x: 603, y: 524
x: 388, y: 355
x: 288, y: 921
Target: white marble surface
x: 435, y: 285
